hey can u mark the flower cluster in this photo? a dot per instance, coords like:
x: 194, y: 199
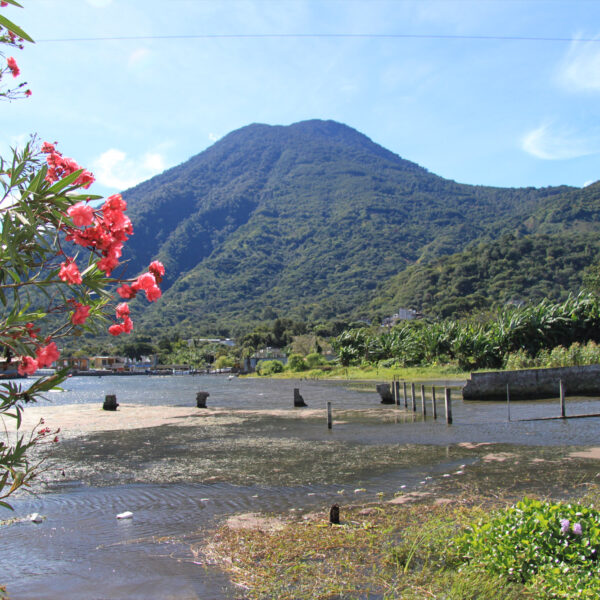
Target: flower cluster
x: 565, y: 526
x: 60, y: 166
x: 148, y: 282
x: 44, y: 357
x: 104, y: 231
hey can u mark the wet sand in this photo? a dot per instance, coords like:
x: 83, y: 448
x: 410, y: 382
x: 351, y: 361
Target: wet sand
x: 83, y: 419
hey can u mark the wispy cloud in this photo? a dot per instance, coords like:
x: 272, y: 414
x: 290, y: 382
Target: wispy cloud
x: 213, y: 137
x: 115, y: 170
x: 549, y: 142
x: 580, y: 68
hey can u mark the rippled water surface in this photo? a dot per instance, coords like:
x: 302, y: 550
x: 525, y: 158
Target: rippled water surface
x: 180, y: 482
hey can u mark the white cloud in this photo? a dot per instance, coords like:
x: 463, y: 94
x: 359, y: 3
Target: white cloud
x: 138, y: 57
x: 213, y: 137
x: 115, y: 170
x: 552, y: 143
x: 580, y: 69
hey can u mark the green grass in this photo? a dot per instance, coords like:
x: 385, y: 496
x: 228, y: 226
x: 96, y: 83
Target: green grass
x: 393, y: 552
x: 378, y: 373
x: 409, y: 552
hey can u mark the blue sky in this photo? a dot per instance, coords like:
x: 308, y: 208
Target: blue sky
x: 506, y: 112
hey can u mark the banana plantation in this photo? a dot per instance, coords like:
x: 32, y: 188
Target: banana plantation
x: 476, y: 345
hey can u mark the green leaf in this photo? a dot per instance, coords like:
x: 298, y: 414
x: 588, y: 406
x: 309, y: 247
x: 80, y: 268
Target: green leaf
x: 14, y: 28
x: 59, y: 186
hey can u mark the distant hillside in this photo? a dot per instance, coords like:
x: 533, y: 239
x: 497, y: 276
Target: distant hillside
x: 311, y: 220
x: 491, y: 274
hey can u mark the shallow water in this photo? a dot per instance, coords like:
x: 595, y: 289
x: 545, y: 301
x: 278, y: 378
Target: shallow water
x: 180, y: 482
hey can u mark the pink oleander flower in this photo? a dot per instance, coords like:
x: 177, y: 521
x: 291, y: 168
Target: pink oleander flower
x: 82, y: 214
x: 122, y: 310
x: 115, y: 329
x: 46, y: 355
x: 69, y: 272
x: 577, y: 529
x: 27, y: 366
x: 127, y: 325
x: 146, y: 281
x: 153, y: 293
x: 115, y: 202
x: 28, y: 93
x: 12, y: 65
x: 157, y: 269
x: 82, y: 312
x: 126, y: 292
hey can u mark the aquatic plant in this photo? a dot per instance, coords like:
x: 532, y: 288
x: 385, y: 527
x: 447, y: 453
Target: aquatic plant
x: 551, y: 547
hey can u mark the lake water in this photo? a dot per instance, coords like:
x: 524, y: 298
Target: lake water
x: 181, y: 482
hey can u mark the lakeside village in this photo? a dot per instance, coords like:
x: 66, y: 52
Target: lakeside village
x: 150, y: 364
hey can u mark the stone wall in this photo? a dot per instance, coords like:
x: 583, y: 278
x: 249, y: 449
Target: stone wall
x: 533, y: 383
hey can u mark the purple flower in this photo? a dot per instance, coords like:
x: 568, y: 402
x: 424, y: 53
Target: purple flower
x: 564, y: 525
x: 577, y: 529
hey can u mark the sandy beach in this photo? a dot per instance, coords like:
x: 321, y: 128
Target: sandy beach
x: 81, y: 419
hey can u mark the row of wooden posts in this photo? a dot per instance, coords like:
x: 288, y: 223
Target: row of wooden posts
x: 403, y: 398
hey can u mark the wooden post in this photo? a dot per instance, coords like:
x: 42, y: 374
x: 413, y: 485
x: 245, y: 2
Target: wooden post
x: 334, y: 514
x: 397, y: 393
x: 412, y: 397
x: 433, y: 402
x: 405, y: 394
x: 508, y: 401
x: 448, y: 403
x: 423, y: 400
x: 110, y: 402
x: 329, y: 416
x: 563, y: 412
x: 395, y: 398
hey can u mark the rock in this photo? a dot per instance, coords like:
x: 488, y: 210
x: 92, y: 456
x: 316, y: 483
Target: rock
x: 385, y: 391
x: 35, y: 518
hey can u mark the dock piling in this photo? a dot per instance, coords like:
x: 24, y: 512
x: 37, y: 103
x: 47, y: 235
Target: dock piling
x: 329, y: 416
x: 405, y: 394
x: 412, y: 397
x: 448, y: 403
x: 433, y: 405
x: 423, y: 408
x: 561, y: 387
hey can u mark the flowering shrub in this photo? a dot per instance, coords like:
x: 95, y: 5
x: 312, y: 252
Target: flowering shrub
x: 58, y: 253
x: 552, y: 548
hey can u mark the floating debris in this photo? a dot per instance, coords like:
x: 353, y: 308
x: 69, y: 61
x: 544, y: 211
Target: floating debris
x: 125, y: 515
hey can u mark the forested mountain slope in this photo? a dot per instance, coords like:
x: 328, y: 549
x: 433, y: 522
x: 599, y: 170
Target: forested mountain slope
x: 311, y: 219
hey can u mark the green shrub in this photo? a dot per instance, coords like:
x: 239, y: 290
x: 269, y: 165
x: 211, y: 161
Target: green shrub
x: 551, y: 548
x: 520, y: 360
x: 269, y: 367
x: 296, y: 362
x: 314, y: 360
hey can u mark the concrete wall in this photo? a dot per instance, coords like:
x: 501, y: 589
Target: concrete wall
x: 533, y: 383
